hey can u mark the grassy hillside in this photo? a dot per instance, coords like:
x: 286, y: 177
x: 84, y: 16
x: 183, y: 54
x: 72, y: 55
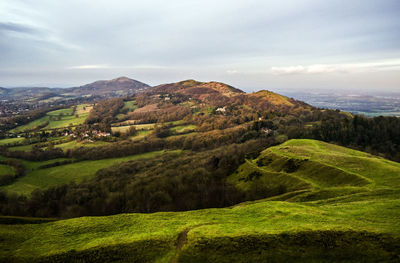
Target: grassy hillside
x: 313, y: 170
x: 78, y: 171
x: 338, y: 205
x: 251, y: 232
x: 272, y: 97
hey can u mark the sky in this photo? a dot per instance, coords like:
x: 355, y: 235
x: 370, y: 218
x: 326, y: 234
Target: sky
x: 250, y: 44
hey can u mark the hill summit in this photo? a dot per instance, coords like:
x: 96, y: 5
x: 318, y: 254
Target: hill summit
x: 121, y: 85
x: 199, y: 89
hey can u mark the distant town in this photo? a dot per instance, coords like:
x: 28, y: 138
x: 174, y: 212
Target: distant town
x: 371, y: 105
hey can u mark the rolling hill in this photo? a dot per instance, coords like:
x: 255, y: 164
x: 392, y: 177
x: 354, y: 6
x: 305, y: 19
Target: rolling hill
x: 117, y: 87
x: 197, y: 88
x: 121, y: 86
x: 339, y: 205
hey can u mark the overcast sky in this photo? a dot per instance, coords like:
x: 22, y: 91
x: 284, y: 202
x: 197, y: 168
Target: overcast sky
x: 250, y: 44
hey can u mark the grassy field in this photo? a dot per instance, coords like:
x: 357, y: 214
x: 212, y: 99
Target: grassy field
x: 75, y: 144
x: 139, y: 127
x: 24, y: 148
x: 58, y: 119
x: 183, y: 128
x: 6, y: 169
x: 349, y: 211
x: 67, y: 111
x: 11, y: 141
x: 65, y: 145
x: 45, y: 178
x: 30, y: 165
x: 140, y: 135
x: 130, y: 105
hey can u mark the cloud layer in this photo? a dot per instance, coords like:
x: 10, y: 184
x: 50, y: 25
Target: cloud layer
x: 338, y: 68
x: 247, y: 42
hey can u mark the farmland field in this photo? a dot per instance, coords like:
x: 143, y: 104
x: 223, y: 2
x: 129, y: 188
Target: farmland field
x: 11, y: 141
x: 58, y: 119
x: 75, y: 144
x: 138, y: 127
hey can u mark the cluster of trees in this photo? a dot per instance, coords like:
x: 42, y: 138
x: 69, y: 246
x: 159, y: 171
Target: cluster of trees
x: 166, y: 113
x: 168, y: 183
x: 194, y: 142
x: 378, y: 135
x: 37, y: 154
x: 105, y: 111
x: 12, y: 122
x: 19, y: 170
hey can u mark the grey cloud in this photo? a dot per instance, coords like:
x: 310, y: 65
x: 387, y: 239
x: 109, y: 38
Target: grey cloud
x: 19, y: 28
x: 204, y: 39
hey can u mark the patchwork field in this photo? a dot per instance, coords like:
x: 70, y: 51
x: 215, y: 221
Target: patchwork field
x: 326, y: 213
x: 57, y: 119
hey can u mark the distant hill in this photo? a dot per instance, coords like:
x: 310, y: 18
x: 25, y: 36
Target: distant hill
x: 199, y: 90
x: 221, y: 94
x: 117, y: 87
x: 3, y: 90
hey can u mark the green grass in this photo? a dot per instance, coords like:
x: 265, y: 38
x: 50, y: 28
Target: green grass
x: 351, y: 213
x: 11, y: 140
x: 24, y: 148
x: 130, y: 105
x: 45, y: 178
x: 31, y: 165
x: 75, y: 144
x: 324, y: 170
x: 245, y: 233
x: 381, y: 173
x: 183, y: 128
x: 65, y: 145
x: 67, y: 111
x: 31, y: 125
x: 52, y: 118
x: 140, y: 135
x: 138, y: 127
x: 6, y: 169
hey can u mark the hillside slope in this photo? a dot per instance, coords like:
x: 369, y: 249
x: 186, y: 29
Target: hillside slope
x: 312, y: 170
x: 221, y: 94
x: 340, y: 205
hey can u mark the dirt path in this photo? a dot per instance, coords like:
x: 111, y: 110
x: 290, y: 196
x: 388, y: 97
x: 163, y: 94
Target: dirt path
x: 182, y: 240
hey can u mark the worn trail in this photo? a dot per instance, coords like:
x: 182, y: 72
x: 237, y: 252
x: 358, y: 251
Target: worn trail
x: 182, y: 240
